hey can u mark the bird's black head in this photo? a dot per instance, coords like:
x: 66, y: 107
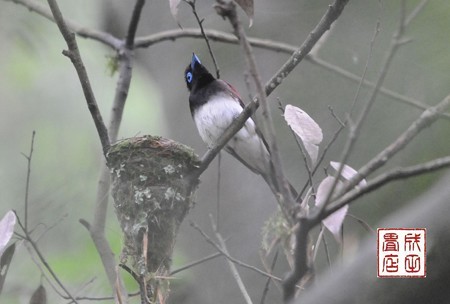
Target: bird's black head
x: 196, y: 75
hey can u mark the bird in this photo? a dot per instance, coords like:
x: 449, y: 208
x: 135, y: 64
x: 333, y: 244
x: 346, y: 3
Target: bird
x: 214, y: 104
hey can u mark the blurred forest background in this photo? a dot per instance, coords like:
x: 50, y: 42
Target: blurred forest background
x: 40, y: 91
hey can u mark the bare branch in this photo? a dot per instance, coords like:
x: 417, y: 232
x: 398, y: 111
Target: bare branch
x: 233, y: 269
x: 80, y: 30
x: 27, y: 184
x: 266, y: 286
x: 74, y: 54
x: 275, y: 46
x: 214, y: 35
x: 331, y: 15
x: 97, y: 228
x: 287, y: 203
x: 425, y: 120
x: 229, y: 257
x: 195, y: 263
x: 134, y: 21
x: 382, y: 179
x: 301, y: 266
x: 356, y: 127
x: 43, y: 260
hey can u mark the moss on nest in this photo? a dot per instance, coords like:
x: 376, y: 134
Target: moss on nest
x: 151, y: 197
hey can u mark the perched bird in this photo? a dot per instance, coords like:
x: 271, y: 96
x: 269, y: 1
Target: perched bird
x: 214, y: 105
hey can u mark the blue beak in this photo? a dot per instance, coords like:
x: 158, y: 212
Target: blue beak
x: 194, y: 60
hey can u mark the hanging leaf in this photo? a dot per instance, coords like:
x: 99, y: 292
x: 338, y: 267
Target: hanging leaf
x: 347, y: 172
x: 335, y: 220
x: 39, y: 296
x: 5, y: 261
x: 6, y: 229
x: 306, y: 128
x: 247, y: 6
x: 174, y: 9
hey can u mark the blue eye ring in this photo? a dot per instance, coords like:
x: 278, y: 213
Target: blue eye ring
x: 189, y: 77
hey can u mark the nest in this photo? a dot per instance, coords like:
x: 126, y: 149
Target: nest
x: 151, y: 198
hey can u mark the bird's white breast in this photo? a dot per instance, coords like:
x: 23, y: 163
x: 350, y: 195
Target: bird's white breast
x: 213, y: 118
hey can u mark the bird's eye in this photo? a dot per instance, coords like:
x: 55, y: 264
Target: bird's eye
x: 189, y: 77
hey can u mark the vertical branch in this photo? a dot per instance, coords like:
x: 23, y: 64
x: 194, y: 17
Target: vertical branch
x: 27, y: 184
x: 228, y: 9
x: 97, y: 228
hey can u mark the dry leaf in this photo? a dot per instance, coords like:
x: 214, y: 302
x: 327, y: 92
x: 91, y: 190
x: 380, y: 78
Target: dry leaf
x: 6, y: 229
x: 334, y: 221
x: 174, y: 9
x: 347, y: 172
x: 306, y: 128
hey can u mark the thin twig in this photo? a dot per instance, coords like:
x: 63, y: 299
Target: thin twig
x: 356, y: 127
x: 27, y: 184
x: 366, y: 67
x: 266, y: 286
x: 321, y: 157
x: 425, y: 120
x: 419, y: 7
x: 362, y: 223
x: 43, y: 260
x: 237, y: 262
x: 219, y: 161
x: 202, y: 30
x: 195, y: 263
x: 233, y: 269
x: 302, y: 152
x: 80, y: 30
x: 333, y: 12
x: 43, y: 274
x: 318, y: 241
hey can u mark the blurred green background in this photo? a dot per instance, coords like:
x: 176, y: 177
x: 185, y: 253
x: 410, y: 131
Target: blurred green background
x: 40, y: 91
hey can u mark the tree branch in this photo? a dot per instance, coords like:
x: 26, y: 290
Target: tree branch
x: 27, y: 184
x: 229, y: 257
x: 299, y: 54
x: 425, y: 120
x: 80, y: 30
x: 97, y: 228
x: 383, y: 179
x: 43, y: 260
x: 287, y: 203
x: 331, y: 15
x: 191, y: 3
x: 356, y: 127
x: 74, y: 54
x: 214, y: 35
